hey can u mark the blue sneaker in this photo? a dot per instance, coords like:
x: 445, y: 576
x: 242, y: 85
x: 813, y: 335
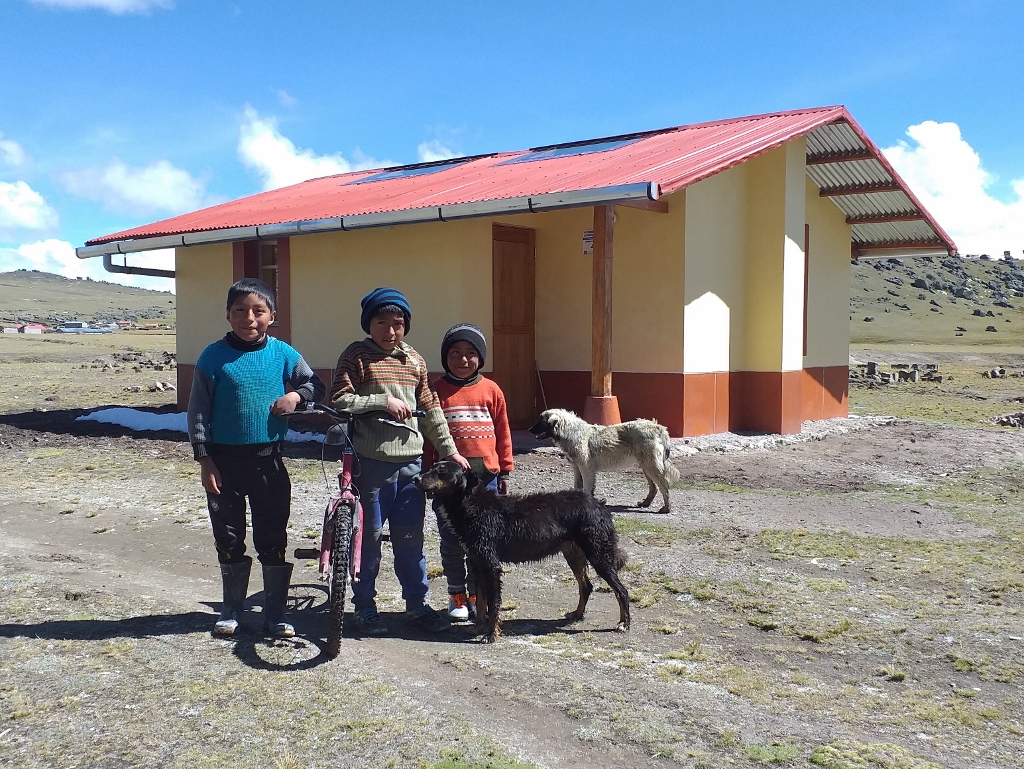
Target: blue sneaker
x: 369, y: 622
x: 425, y: 618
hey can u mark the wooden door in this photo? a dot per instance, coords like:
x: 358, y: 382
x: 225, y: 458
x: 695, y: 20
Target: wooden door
x: 513, y: 356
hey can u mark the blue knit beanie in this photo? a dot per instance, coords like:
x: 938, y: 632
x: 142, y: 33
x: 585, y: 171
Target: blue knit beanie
x: 380, y: 297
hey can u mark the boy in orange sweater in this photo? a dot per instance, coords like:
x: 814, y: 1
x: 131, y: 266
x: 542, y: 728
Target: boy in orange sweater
x: 477, y: 419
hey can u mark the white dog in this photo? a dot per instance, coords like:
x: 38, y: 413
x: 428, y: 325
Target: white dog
x: 592, y: 448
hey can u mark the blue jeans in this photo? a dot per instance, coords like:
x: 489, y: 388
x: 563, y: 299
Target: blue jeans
x: 453, y: 557
x: 388, y: 494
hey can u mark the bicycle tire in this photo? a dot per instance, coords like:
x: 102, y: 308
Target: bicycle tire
x: 340, y: 547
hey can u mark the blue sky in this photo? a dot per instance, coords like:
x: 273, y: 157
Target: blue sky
x: 115, y: 113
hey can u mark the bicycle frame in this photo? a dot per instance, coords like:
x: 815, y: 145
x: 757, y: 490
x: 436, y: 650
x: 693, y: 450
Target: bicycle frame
x: 345, y: 495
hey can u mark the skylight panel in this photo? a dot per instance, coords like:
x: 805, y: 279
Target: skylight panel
x: 570, y: 151
x: 404, y: 173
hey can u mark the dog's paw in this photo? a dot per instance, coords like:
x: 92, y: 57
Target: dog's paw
x: 643, y: 503
x: 622, y: 627
x: 574, y: 616
x: 490, y: 638
x: 665, y: 510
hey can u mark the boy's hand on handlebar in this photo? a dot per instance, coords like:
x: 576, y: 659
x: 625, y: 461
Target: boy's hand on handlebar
x: 212, y: 481
x: 287, y: 402
x: 399, y: 409
x: 460, y: 460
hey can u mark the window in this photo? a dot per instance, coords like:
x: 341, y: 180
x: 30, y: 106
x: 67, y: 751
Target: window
x: 268, y: 266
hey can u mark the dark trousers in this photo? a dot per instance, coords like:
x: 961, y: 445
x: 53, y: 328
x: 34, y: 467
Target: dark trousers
x: 264, y: 480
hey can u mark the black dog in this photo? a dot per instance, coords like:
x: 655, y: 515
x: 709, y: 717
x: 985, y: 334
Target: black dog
x: 494, y: 529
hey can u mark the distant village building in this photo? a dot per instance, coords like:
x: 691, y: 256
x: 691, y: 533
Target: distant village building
x: 698, y: 275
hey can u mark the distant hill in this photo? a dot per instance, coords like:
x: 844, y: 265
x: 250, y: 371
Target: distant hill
x: 30, y: 295
x: 933, y: 300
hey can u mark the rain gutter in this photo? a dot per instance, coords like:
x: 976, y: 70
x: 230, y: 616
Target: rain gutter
x: 525, y: 205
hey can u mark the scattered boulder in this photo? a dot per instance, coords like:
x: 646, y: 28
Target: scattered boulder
x: 868, y: 318
x: 991, y: 328
x: 1010, y: 420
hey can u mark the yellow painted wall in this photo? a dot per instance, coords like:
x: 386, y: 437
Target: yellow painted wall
x: 444, y: 269
x: 647, y: 283
x: 773, y: 323
x: 793, y: 256
x: 714, y: 294
x: 203, y: 275
x: 828, y: 327
x: 563, y: 288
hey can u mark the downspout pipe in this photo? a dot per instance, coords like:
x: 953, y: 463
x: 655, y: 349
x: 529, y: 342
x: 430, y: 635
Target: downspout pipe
x: 109, y: 266
x: 533, y: 204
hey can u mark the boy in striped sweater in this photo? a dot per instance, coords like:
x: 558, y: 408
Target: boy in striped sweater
x: 383, y: 373
x: 478, y: 421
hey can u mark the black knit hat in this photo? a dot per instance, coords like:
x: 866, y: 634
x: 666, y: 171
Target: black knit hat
x: 381, y: 297
x: 464, y: 332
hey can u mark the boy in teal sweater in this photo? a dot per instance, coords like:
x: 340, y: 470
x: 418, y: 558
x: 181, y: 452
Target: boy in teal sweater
x: 241, y: 386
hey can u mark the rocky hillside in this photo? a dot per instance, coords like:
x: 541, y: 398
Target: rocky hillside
x: 41, y: 297
x: 954, y: 301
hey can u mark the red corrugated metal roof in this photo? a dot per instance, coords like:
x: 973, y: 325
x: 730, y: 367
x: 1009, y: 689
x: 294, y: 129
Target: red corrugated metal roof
x: 673, y: 158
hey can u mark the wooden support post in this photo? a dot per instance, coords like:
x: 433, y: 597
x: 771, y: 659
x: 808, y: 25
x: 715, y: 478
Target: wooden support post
x: 602, y: 407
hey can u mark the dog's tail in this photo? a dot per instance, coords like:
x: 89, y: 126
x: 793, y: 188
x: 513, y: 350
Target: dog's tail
x: 620, y: 558
x: 671, y: 472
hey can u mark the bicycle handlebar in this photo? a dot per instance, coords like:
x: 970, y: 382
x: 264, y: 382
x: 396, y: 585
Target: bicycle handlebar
x: 340, y: 415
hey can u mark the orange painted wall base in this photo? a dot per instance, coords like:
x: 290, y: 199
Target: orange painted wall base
x: 701, y: 404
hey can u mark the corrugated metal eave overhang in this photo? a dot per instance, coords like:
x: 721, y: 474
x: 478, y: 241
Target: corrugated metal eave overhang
x: 884, y: 215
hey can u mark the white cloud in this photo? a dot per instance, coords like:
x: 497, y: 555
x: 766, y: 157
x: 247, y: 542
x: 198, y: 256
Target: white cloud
x: 22, y: 208
x: 285, y: 98
x: 430, y: 151
x: 158, y: 187
x: 12, y: 154
x: 112, y: 6
x: 265, y: 150
x: 58, y: 256
x: 947, y: 176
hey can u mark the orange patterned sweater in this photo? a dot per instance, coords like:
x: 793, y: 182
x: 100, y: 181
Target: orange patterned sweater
x: 478, y: 422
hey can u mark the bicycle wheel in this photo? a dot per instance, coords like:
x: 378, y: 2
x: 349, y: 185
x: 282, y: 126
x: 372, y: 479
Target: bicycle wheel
x: 339, y: 576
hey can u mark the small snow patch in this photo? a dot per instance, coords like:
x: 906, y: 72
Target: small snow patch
x: 137, y: 420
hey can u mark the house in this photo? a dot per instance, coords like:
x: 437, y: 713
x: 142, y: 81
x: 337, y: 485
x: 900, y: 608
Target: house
x: 698, y: 275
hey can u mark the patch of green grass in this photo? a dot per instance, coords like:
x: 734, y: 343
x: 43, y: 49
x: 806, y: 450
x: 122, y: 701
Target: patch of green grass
x: 644, y: 533
x: 852, y: 754
x: 771, y: 754
x: 47, y: 453
x: 820, y: 635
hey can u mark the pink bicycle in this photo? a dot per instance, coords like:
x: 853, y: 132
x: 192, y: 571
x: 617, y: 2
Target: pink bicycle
x: 341, y: 540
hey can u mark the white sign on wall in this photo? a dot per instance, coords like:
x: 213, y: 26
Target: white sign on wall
x: 588, y: 242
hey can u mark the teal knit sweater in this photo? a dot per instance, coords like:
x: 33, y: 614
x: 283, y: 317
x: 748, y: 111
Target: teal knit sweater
x: 234, y: 386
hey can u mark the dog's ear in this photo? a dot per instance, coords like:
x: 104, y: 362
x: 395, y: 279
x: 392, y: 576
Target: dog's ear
x: 471, y: 479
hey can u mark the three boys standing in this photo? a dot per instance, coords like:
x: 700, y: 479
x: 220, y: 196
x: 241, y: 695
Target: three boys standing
x: 242, y: 377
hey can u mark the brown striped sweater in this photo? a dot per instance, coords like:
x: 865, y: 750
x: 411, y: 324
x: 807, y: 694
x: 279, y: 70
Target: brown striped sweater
x: 364, y: 378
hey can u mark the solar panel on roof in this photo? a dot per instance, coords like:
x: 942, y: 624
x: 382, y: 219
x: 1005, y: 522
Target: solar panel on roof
x: 402, y: 173
x: 571, y: 151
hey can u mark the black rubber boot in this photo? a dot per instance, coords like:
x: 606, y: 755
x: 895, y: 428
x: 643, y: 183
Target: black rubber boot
x: 235, y: 580
x: 276, y: 579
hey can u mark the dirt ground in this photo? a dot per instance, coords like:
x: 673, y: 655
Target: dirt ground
x: 849, y: 601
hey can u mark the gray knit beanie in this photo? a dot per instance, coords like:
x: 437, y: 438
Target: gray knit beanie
x: 464, y: 332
